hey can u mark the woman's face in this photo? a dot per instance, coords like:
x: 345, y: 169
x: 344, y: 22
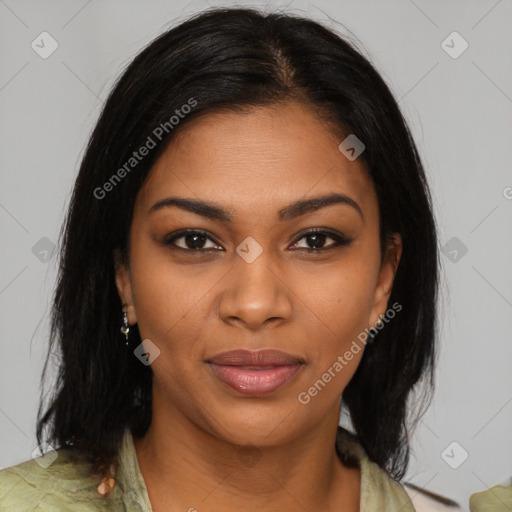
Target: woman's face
x: 247, y: 280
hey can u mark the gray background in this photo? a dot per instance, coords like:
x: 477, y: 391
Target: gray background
x: 459, y: 110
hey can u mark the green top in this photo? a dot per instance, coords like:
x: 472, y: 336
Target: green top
x: 65, y: 485
x: 495, y: 499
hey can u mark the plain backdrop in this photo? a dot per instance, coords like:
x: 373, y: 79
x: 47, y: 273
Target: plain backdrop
x: 458, y: 102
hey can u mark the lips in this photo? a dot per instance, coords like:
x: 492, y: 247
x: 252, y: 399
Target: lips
x: 266, y: 357
x: 255, y: 373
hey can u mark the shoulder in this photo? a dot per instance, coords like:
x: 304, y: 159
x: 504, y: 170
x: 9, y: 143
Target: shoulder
x: 379, y: 491
x: 58, y: 482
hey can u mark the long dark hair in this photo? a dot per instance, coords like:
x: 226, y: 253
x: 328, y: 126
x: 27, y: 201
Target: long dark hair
x: 233, y: 59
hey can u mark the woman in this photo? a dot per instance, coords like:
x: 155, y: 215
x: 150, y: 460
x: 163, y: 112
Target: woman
x: 253, y: 216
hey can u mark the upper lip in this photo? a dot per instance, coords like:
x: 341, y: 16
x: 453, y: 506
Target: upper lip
x: 264, y: 357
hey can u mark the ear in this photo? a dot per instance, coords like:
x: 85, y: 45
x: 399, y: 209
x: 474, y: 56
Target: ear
x: 387, y: 273
x: 124, y: 287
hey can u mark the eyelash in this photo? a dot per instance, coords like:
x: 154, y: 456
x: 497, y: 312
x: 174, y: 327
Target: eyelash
x: 339, y: 240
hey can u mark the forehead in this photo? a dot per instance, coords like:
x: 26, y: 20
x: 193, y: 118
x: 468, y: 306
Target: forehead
x: 267, y: 155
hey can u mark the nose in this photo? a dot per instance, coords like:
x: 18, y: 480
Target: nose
x: 255, y: 294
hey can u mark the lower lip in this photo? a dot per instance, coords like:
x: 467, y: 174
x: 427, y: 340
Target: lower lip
x: 254, y: 382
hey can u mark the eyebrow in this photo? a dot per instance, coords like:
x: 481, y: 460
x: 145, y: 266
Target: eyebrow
x: 215, y: 212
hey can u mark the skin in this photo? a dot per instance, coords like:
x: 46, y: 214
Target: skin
x: 193, y: 305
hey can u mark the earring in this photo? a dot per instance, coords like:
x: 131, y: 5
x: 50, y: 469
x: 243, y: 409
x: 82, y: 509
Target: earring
x: 125, y: 328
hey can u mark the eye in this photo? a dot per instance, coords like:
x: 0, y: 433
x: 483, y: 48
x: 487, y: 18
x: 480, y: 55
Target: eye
x: 315, y: 240
x: 191, y: 240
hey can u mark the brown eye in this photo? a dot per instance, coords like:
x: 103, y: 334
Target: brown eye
x: 316, y: 241
x: 191, y: 241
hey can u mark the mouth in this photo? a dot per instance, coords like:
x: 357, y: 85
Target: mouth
x: 255, y: 373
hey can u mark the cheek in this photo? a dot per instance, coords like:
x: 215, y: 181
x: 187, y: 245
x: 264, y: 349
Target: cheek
x: 168, y: 299
x: 340, y: 297
x: 338, y: 301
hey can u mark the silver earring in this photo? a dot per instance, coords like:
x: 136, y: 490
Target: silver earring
x: 125, y: 328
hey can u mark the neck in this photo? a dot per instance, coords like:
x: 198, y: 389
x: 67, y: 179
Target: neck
x: 186, y: 466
